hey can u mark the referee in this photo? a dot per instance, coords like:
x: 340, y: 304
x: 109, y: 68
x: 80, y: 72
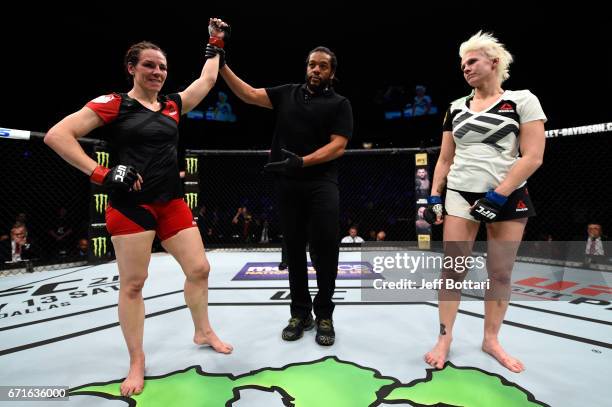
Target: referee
x: 313, y: 127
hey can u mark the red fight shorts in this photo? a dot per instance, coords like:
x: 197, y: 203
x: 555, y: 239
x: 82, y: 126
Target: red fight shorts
x: 166, y: 218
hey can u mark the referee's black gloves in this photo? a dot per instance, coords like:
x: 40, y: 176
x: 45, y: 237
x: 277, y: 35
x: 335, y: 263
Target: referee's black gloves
x: 291, y: 162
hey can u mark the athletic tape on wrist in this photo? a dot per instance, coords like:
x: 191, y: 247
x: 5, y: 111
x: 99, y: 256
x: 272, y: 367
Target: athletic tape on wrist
x: 98, y: 175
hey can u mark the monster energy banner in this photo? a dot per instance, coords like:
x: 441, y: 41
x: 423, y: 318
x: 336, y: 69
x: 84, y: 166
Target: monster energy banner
x: 100, y: 202
x: 192, y: 183
x: 100, y: 248
x: 422, y: 188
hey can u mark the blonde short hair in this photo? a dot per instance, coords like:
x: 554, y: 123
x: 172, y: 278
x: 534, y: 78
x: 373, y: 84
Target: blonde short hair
x: 492, y: 48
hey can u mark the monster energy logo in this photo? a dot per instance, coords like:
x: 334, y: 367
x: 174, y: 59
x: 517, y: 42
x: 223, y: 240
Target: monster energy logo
x: 99, y: 246
x: 102, y: 158
x: 101, y: 202
x: 192, y: 164
x: 192, y: 199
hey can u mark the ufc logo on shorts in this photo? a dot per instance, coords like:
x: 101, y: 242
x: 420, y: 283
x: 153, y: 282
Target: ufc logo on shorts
x: 486, y: 213
x: 120, y: 173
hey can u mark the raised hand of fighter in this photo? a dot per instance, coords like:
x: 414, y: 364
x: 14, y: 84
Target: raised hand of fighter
x: 219, y: 29
x: 219, y: 32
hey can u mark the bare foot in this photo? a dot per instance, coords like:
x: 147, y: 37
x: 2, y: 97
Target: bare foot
x: 493, y: 348
x: 210, y: 338
x: 437, y: 356
x: 134, y: 382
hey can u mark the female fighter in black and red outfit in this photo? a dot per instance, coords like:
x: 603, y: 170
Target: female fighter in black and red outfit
x: 146, y: 194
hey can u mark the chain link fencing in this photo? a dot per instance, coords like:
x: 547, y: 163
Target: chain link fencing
x: 237, y: 203
x: 235, y: 206
x: 45, y: 202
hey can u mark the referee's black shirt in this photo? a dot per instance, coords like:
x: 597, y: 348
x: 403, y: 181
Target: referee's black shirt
x: 305, y: 123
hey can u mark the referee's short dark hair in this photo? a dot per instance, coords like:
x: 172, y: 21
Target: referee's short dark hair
x: 325, y: 50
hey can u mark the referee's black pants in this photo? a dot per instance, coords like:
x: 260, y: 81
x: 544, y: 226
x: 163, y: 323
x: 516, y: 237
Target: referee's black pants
x: 309, y: 213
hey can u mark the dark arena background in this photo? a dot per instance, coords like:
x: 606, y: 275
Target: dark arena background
x: 62, y: 298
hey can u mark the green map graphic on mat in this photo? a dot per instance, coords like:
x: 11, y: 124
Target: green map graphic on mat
x: 324, y: 382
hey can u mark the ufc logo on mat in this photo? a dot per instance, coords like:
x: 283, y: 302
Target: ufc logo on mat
x: 484, y: 212
x: 120, y: 174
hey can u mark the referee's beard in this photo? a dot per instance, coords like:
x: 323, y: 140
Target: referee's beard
x: 319, y: 86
